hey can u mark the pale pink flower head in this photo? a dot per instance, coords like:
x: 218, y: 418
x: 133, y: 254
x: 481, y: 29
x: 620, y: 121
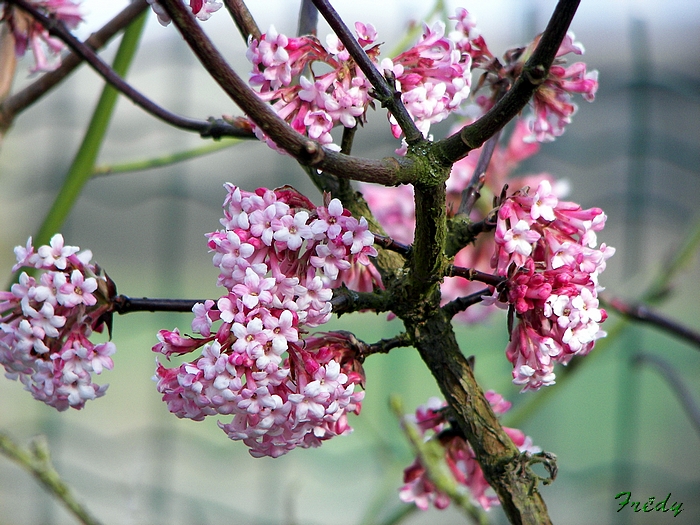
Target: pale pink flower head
x: 552, y: 105
x: 203, y: 9
x: 46, y: 324
x: 434, y: 77
x: 279, y: 258
x: 551, y: 281
x: 366, y: 33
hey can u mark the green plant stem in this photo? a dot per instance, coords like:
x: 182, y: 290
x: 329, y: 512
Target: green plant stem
x: 432, y: 457
x: 165, y: 160
x: 36, y: 460
x: 82, y: 166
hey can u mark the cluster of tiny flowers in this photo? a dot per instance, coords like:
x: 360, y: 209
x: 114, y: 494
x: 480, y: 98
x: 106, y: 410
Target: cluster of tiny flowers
x: 28, y: 33
x: 279, y: 257
x: 552, y: 108
x: 434, y: 78
x: 546, y: 249
x: 45, y: 325
x: 459, y: 456
x: 311, y: 106
x: 551, y: 104
x: 202, y: 9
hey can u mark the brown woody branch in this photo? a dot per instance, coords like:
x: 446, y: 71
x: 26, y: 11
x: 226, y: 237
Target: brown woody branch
x: 395, y: 246
x: 471, y: 194
x: 462, y: 303
x: 474, y: 275
x: 243, y: 19
x: 344, y: 301
x: 215, y: 128
x: 642, y: 313
x: 123, y: 304
x: 308, y: 152
x: 20, y: 101
x: 384, y: 346
x: 505, y: 469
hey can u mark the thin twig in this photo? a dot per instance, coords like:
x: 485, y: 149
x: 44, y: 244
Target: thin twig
x: 461, y: 231
x: 474, y: 275
x: 347, y: 139
x: 642, y: 313
x: 395, y: 246
x: 214, y: 128
x: 383, y: 91
x: 462, y: 303
x: 384, y: 346
x: 125, y: 305
x: 243, y: 18
x: 37, y: 461
x: 20, y: 101
x: 471, y: 194
x: 345, y: 301
x: 676, y: 383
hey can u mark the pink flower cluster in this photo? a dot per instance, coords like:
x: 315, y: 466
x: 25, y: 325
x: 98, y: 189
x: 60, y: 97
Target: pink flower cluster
x: 45, y: 325
x: 279, y: 257
x: 552, y: 106
x: 546, y: 248
x: 312, y: 106
x: 202, y: 9
x: 434, y: 78
x: 459, y: 456
x: 28, y: 33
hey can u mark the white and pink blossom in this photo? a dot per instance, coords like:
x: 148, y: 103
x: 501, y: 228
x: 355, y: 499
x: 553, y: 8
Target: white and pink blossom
x: 30, y: 34
x: 551, y: 282
x: 279, y: 259
x: 45, y: 325
x: 202, y: 9
x: 433, y: 76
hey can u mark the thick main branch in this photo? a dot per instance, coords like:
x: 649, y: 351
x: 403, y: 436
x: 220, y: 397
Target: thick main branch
x: 498, y: 457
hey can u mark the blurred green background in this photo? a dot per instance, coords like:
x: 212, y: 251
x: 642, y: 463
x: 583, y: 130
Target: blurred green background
x: 634, y: 152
